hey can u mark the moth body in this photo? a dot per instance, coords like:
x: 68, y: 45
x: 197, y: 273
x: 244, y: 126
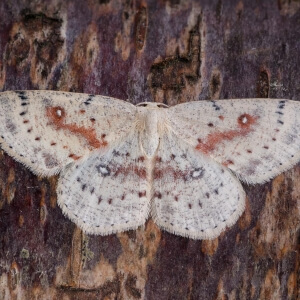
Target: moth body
x: 151, y: 124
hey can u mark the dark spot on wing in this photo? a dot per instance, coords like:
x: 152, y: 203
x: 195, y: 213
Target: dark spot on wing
x: 281, y: 104
x: 11, y: 127
x: 215, y: 106
x: 228, y: 162
x: 158, y: 159
x: 74, y: 156
x: 157, y: 195
x: 115, y: 153
x: 142, y: 194
x: 89, y: 100
x: 21, y: 95
x: 50, y: 161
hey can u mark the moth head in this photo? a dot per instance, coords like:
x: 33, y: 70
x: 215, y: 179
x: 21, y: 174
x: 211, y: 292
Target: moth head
x: 152, y: 105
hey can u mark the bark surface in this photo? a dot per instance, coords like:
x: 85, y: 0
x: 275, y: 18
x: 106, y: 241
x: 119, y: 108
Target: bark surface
x: 166, y: 51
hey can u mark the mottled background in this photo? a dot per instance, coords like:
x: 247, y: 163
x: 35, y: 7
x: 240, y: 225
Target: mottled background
x: 166, y: 51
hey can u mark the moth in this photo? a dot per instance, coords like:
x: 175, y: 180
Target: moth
x: 119, y: 163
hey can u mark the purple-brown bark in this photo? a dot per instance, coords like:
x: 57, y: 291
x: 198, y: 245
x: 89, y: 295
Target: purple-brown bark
x: 166, y: 51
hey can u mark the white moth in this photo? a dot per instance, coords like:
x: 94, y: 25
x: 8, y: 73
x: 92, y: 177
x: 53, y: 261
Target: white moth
x: 118, y: 162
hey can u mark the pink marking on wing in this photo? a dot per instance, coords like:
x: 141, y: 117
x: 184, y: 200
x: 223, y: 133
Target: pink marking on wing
x: 245, y: 124
x: 74, y: 156
x: 227, y: 163
x: 169, y: 172
x: 130, y: 170
x: 58, y: 120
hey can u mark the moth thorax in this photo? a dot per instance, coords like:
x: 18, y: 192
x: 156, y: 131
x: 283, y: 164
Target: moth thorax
x: 149, y: 135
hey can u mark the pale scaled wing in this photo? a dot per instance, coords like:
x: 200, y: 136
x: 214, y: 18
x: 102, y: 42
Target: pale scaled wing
x: 109, y: 193
x: 256, y: 138
x: 193, y: 195
x: 46, y: 130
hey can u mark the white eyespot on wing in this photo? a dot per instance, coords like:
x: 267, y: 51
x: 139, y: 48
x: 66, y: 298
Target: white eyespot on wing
x: 256, y: 138
x: 193, y: 196
x: 108, y: 193
x: 46, y: 130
